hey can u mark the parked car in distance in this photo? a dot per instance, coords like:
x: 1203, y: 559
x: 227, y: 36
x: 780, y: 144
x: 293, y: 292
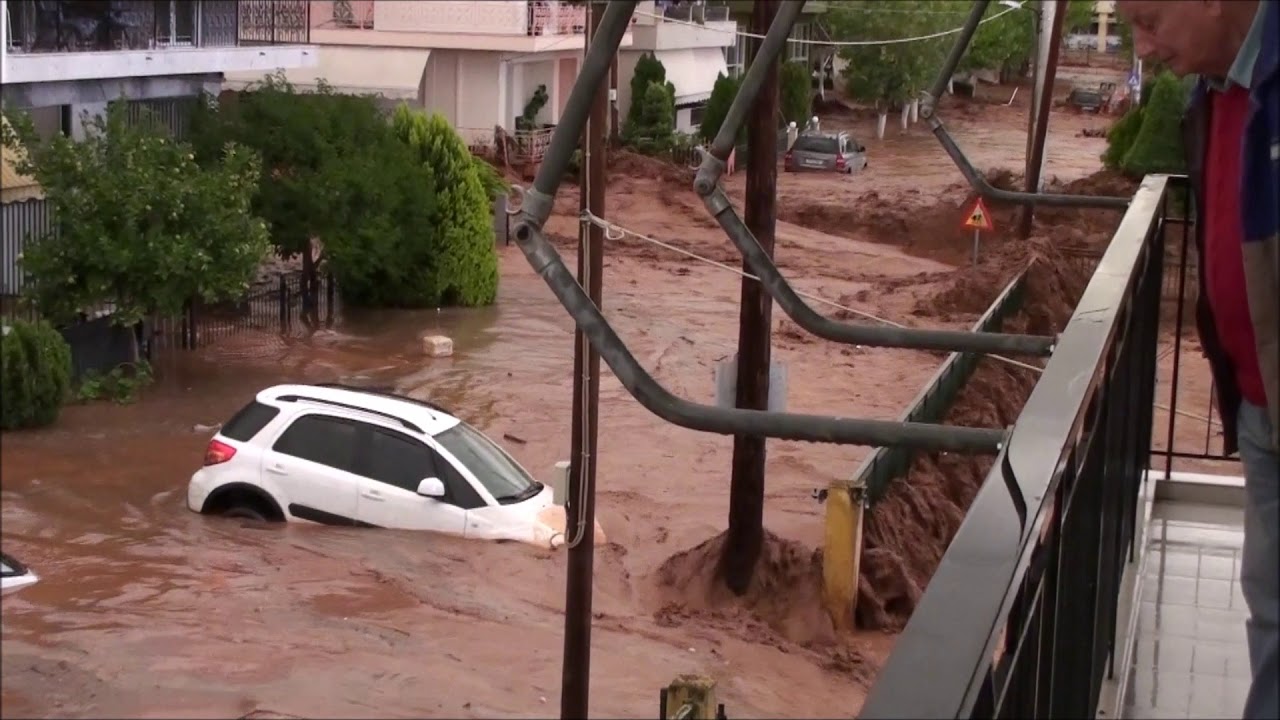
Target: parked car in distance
x: 825, y: 152
x: 1088, y: 100
x: 339, y: 455
x: 14, y: 575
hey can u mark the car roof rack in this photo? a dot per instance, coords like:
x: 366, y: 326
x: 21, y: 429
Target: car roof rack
x: 385, y: 392
x: 309, y: 398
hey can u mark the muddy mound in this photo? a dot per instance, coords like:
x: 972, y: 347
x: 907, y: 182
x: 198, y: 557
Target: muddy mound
x: 627, y: 164
x: 971, y: 290
x: 784, y: 602
x: 934, y: 229
x: 909, y: 529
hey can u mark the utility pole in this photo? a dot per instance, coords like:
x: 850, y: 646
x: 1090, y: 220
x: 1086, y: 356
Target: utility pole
x: 746, y: 489
x: 580, y: 510
x: 1049, y: 47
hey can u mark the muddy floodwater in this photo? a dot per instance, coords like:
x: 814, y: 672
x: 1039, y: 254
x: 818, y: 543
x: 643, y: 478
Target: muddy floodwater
x: 145, y: 609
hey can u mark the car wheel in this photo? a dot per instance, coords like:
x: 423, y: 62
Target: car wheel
x: 244, y: 512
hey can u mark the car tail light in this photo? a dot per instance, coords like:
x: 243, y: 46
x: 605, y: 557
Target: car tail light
x: 839, y: 161
x: 218, y: 452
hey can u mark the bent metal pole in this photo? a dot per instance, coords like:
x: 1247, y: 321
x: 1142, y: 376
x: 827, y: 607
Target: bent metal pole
x: 928, y: 110
x: 545, y: 261
x: 707, y: 185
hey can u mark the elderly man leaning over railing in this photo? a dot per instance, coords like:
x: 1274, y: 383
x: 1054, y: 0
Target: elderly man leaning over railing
x: 1233, y: 143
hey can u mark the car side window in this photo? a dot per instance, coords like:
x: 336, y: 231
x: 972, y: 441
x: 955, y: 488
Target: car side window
x: 404, y: 462
x: 321, y: 439
x: 397, y: 460
x: 461, y: 493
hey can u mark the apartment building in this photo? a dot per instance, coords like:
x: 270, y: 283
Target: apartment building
x: 60, y: 58
x: 479, y: 63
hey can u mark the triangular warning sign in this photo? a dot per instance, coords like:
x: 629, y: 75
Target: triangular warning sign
x: 977, y: 218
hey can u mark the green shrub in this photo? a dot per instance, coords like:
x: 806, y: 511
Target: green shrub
x: 722, y: 95
x: 1120, y: 138
x: 641, y: 123
x: 467, y: 268
x: 794, y: 92
x: 1158, y: 146
x: 35, y: 375
x: 656, y: 122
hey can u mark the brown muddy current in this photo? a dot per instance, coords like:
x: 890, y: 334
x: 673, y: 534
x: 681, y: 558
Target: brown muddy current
x: 145, y: 609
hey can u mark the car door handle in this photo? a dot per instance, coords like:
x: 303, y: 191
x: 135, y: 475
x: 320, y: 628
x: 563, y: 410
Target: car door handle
x: 372, y: 495
x: 277, y: 470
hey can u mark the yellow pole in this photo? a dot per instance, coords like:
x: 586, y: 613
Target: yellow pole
x: 842, y: 551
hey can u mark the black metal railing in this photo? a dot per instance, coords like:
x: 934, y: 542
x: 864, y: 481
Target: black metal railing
x: 54, y: 26
x: 274, y: 22
x: 1019, y: 620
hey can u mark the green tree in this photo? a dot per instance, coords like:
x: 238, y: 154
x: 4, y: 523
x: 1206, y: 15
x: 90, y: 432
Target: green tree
x: 649, y: 70
x: 140, y: 224
x: 1158, y: 146
x: 467, y: 268
x: 1120, y: 138
x: 304, y: 140
x: 385, y: 247
x: 722, y: 95
x: 655, y: 126
x: 795, y: 93
x: 35, y: 375
x: 890, y: 75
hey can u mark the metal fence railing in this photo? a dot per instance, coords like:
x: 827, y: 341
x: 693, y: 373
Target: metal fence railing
x: 20, y: 221
x: 278, y: 306
x: 1019, y: 620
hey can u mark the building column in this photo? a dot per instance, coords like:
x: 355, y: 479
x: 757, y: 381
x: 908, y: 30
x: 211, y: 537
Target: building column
x: 81, y: 112
x: 504, y: 94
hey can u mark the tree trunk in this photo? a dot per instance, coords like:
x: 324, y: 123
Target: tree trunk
x: 915, y: 111
x: 906, y: 116
x: 882, y: 119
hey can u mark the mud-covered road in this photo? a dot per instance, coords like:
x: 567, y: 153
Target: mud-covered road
x: 147, y: 610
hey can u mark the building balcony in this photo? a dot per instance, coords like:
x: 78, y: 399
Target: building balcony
x: 497, y: 25
x: 683, y: 26
x: 48, y: 40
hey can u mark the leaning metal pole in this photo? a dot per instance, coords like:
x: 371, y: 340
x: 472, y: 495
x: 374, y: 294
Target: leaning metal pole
x: 580, y: 504
x: 928, y: 111
x: 543, y: 258
x: 707, y: 185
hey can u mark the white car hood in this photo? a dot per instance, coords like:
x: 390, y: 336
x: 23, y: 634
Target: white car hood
x: 537, y: 521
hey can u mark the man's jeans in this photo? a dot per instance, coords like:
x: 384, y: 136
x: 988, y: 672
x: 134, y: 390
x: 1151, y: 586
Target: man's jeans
x: 1260, y: 564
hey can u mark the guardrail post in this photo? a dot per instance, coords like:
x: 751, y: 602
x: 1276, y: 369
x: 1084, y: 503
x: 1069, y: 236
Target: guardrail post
x: 691, y: 697
x: 842, y: 550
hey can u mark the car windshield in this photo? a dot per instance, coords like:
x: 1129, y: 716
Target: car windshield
x: 495, y: 470
x: 816, y: 144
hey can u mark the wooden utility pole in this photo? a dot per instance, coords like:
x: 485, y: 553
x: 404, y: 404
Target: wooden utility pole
x: 746, y: 489
x: 1043, y: 102
x: 580, y: 510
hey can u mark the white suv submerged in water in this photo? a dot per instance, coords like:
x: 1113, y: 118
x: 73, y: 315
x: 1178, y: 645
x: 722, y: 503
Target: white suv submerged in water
x: 351, y: 456
x: 14, y: 575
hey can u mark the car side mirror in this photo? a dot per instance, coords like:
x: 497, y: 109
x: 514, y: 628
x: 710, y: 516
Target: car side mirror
x: 431, y: 487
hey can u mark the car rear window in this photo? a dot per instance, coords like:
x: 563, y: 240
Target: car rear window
x: 816, y: 144
x: 249, y: 421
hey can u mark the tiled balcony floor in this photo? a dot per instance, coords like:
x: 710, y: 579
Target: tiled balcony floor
x: 1190, y: 659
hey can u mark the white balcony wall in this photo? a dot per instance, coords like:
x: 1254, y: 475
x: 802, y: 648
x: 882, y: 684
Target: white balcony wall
x: 55, y: 67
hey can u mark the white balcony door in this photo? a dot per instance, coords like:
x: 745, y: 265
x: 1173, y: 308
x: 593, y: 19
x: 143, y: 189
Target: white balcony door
x: 177, y: 22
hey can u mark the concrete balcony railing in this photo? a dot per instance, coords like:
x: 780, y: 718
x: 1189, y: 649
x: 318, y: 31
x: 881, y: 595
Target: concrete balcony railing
x: 39, y: 26
x: 528, y: 18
